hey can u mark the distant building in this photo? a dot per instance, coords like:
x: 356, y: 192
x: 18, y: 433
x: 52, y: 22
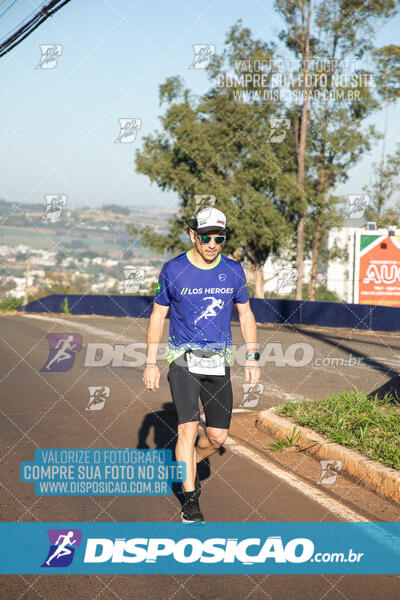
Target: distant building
x: 340, y: 274
x: 273, y: 266
x: 371, y: 273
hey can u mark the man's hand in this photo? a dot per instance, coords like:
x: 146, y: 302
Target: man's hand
x: 151, y: 377
x: 248, y: 327
x: 252, y: 371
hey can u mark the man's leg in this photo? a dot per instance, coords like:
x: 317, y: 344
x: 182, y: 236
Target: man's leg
x: 217, y: 400
x: 185, y: 389
x: 211, y: 442
x: 187, y: 433
x: 185, y: 450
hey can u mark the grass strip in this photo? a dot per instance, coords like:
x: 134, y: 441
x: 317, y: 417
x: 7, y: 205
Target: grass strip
x: 353, y: 419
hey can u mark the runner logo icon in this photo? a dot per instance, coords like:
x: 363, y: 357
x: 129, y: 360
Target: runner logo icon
x: 54, y: 206
x: 62, y: 351
x: 128, y: 130
x: 251, y: 394
x: 98, y: 396
x: 329, y: 471
x: 50, y: 55
x: 210, y: 311
x: 61, y: 551
x: 203, y: 54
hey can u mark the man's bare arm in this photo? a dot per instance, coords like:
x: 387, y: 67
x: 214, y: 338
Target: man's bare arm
x: 248, y: 327
x: 151, y: 373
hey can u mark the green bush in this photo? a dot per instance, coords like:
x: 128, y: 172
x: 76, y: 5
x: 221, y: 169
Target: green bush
x: 9, y: 303
x: 64, y: 306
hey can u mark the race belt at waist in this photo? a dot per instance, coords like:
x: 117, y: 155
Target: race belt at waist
x: 205, y: 362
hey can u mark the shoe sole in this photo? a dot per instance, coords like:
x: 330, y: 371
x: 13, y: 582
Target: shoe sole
x: 188, y: 521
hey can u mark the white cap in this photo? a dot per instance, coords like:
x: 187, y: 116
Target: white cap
x: 210, y: 219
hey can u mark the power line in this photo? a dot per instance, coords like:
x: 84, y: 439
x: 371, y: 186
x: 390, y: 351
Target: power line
x: 7, y: 9
x: 21, y: 22
x: 40, y: 17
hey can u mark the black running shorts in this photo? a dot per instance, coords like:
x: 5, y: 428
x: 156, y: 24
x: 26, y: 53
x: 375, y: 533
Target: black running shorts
x: 215, y: 393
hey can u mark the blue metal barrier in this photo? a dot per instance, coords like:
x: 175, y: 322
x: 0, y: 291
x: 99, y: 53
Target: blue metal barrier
x: 294, y: 312
x: 110, y: 306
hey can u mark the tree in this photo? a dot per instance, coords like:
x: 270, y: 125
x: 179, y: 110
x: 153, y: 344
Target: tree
x: 333, y: 30
x: 298, y: 38
x: 337, y: 143
x: 384, y: 184
x: 215, y: 145
x: 386, y: 173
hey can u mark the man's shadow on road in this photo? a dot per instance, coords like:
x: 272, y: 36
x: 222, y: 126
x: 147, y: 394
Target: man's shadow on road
x: 164, y: 424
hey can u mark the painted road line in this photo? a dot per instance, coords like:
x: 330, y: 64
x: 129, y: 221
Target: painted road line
x: 89, y: 328
x: 332, y: 505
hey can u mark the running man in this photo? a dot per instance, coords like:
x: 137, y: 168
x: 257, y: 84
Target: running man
x: 62, y: 549
x: 63, y: 345
x: 99, y: 397
x: 210, y: 310
x: 186, y: 285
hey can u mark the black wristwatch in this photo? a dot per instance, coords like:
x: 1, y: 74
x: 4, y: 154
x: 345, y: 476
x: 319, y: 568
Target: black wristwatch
x: 255, y: 355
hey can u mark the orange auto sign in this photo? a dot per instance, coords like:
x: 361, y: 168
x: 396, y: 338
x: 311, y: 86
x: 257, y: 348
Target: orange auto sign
x: 377, y: 273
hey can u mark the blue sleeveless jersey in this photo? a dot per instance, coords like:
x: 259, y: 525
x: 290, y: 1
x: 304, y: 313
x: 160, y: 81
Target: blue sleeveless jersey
x: 200, y: 300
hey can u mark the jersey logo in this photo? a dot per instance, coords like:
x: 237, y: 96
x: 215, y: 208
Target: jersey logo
x: 210, y: 311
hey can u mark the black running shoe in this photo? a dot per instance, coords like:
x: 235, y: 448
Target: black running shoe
x: 191, y: 512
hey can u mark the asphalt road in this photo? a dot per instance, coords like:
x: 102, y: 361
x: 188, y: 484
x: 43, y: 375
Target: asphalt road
x: 245, y: 483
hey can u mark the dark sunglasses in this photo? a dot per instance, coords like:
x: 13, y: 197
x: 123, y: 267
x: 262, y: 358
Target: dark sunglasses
x: 205, y: 239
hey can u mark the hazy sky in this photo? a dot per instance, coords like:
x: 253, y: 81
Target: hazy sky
x: 58, y: 126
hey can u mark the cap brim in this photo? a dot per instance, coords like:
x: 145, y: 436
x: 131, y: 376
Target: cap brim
x: 202, y: 230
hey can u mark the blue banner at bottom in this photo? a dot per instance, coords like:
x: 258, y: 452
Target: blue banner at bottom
x: 213, y: 548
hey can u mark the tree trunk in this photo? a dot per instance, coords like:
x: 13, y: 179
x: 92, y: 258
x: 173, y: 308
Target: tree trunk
x: 259, y: 284
x: 381, y: 195
x: 323, y: 185
x: 314, y: 262
x: 301, y: 155
x: 251, y: 279
x: 299, y: 258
